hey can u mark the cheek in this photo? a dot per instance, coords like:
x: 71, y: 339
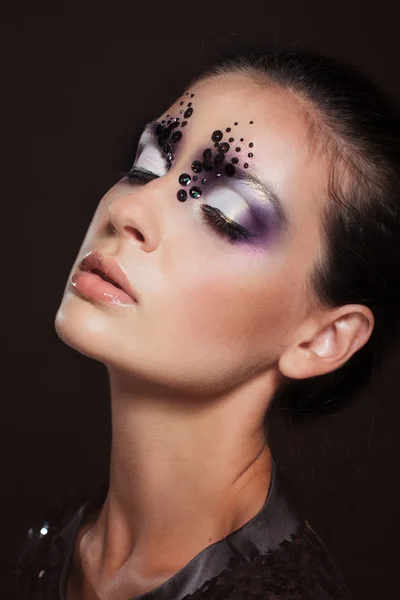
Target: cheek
x: 230, y: 305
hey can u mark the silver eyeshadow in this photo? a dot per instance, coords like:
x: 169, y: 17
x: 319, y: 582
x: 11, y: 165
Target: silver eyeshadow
x: 149, y: 155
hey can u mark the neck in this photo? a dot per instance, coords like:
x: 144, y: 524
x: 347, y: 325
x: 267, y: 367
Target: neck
x: 185, y: 472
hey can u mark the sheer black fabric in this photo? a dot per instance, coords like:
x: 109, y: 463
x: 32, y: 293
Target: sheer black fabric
x: 275, y: 555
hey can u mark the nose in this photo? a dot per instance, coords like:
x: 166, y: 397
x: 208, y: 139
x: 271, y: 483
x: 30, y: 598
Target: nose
x: 136, y: 215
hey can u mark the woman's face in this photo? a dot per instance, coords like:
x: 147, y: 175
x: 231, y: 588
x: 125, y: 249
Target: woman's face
x: 211, y: 310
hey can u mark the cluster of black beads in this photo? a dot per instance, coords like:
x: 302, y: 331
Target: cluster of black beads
x: 219, y: 163
x: 167, y: 133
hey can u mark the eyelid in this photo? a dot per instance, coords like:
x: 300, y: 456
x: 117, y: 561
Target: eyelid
x: 151, y: 158
x: 139, y: 175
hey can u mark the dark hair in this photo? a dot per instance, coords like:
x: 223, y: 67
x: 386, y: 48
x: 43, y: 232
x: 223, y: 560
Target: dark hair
x: 359, y: 127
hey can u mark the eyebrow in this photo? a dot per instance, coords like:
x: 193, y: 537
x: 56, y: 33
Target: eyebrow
x: 262, y: 188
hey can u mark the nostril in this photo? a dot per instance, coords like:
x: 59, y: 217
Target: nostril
x: 136, y: 233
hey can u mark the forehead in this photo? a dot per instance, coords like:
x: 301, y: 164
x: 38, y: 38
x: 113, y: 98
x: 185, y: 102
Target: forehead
x: 241, y: 108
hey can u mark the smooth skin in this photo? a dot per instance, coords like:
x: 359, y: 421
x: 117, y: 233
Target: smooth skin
x: 194, y: 364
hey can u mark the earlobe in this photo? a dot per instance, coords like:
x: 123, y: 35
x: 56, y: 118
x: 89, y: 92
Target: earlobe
x: 330, y: 347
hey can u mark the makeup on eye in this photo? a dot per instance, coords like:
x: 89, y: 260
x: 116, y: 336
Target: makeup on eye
x: 213, y: 216
x: 248, y: 206
x: 149, y: 158
x: 262, y: 192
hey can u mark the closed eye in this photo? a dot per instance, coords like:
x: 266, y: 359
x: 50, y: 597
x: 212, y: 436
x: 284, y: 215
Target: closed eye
x: 228, y: 228
x: 139, y: 175
x: 212, y: 215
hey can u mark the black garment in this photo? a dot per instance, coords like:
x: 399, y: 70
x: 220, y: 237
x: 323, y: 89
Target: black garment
x: 273, y: 556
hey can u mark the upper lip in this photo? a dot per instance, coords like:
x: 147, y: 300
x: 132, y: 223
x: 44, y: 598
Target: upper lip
x: 110, y: 268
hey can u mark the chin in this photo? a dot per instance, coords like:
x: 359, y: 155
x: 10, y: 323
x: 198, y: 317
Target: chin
x: 82, y: 326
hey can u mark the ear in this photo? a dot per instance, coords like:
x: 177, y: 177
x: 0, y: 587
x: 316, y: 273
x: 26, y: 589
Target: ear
x: 326, y: 341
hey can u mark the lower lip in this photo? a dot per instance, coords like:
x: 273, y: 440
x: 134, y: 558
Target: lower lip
x: 91, y: 286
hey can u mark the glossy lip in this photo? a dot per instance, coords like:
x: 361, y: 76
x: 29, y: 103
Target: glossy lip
x: 110, y: 267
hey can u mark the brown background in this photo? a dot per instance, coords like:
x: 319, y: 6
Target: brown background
x: 78, y: 84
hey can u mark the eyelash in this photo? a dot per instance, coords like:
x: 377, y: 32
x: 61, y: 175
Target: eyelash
x: 213, y: 216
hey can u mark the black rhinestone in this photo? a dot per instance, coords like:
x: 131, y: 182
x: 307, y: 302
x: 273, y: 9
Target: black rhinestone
x: 207, y: 165
x: 160, y: 129
x: 236, y: 123
x: 184, y: 123
x: 231, y: 140
x: 251, y: 122
x: 228, y: 129
x: 170, y: 157
x: 242, y: 139
x: 167, y: 148
x: 182, y: 195
x: 250, y: 155
x: 237, y: 149
x: 204, y: 180
x: 194, y: 177
x: 207, y: 153
x: 176, y: 136
x: 163, y: 121
x: 189, y: 104
x: 251, y: 145
x: 181, y: 111
x: 181, y: 103
x: 216, y: 144
x: 224, y: 147
x: 235, y: 160
x: 195, y: 192
x: 219, y: 159
x: 164, y: 134
x: 191, y: 95
x: 174, y: 124
x: 184, y: 179
x: 197, y: 167
x: 218, y: 174
x: 217, y: 135
x: 188, y: 113
x: 246, y: 165
x: 229, y: 169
